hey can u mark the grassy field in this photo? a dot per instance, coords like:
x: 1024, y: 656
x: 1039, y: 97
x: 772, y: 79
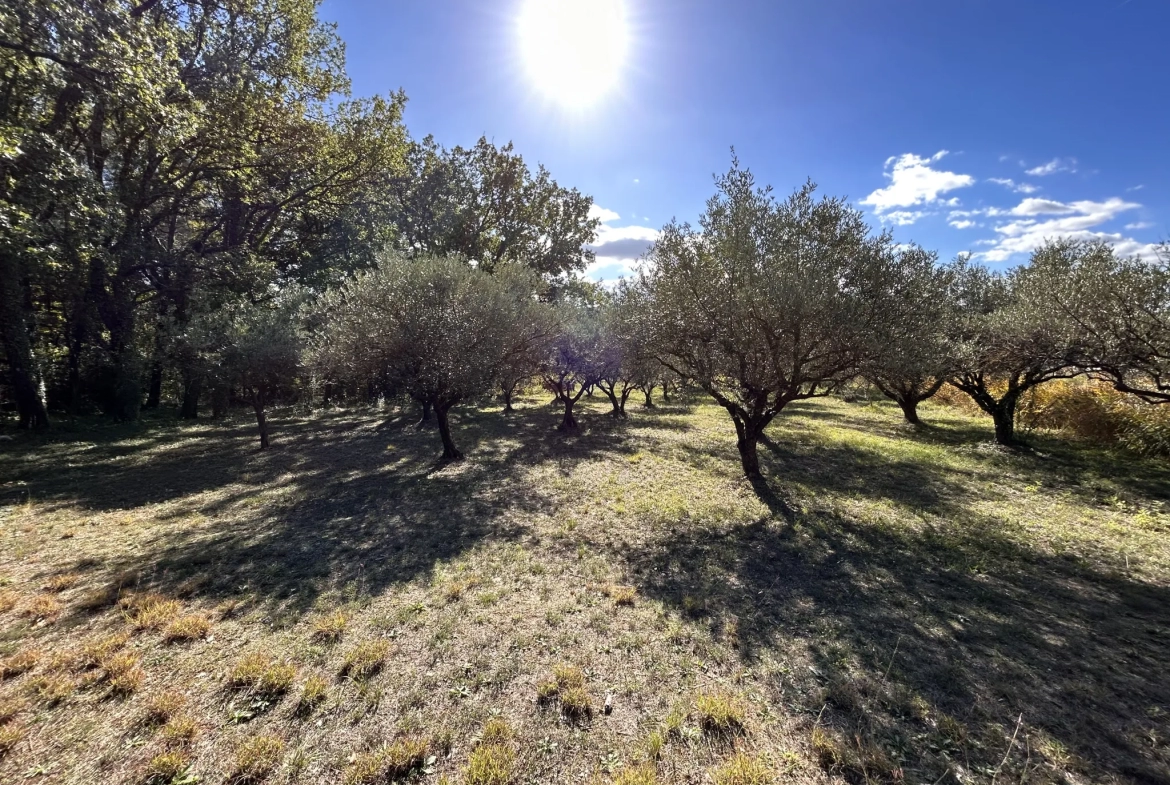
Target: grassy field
x: 178, y: 607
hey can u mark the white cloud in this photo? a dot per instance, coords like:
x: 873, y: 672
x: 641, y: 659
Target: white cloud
x: 1073, y: 220
x: 961, y: 223
x: 1020, y: 188
x: 1135, y: 188
x: 1053, y: 166
x: 1140, y: 225
x: 597, y: 211
x: 914, y: 182
x: 903, y: 217
x: 617, y: 248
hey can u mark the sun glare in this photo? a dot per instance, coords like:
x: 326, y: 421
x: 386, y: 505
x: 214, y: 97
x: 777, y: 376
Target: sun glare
x: 574, y: 50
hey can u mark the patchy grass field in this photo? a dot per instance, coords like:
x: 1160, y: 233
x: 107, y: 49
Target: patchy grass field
x: 614, y: 607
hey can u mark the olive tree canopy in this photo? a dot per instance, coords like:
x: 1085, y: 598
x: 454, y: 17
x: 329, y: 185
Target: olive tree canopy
x: 433, y: 327
x: 768, y: 301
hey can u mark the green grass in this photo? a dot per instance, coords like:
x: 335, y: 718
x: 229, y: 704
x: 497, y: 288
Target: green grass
x: 931, y: 597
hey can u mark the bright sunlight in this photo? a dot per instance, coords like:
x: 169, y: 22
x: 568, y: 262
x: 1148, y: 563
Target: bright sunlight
x: 574, y: 50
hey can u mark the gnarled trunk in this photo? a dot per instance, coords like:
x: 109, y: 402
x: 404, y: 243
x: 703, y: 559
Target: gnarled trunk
x: 508, y: 390
x: 909, y: 407
x: 649, y: 398
x: 450, y: 452
x: 568, y: 422
x: 747, y: 442
x: 1004, y: 418
x: 425, y: 418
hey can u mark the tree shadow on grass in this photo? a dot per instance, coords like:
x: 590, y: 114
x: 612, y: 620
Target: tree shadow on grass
x: 984, y: 632
x: 341, y: 498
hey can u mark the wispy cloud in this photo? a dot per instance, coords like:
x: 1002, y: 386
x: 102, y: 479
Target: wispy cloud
x: 913, y: 182
x: 1140, y: 225
x: 1052, y: 167
x: 1020, y: 188
x: 1039, y: 220
x: 961, y: 223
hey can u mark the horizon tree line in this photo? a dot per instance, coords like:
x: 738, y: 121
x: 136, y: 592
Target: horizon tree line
x: 197, y: 210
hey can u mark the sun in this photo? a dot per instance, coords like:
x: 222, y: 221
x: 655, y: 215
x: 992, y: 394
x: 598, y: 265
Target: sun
x: 574, y: 50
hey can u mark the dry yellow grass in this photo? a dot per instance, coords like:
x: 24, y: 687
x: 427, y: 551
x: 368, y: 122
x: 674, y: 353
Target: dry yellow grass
x: 19, y: 663
x: 490, y: 764
x: 124, y: 673
x: 187, y: 628
x: 59, y: 583
x: 395, y: 761
x: 167, y: 766
x: 10, y: 735
x: 719, y: 713
x: 331, y: 626
x: 42, y: 608
x: 365, y: 659
x: 925, y: 536
x: 179, y: 730
x: 8, y: 600
x: 256, y: 758
x: 743, y: 769
x: 161, y: 706
x: 97, y: 651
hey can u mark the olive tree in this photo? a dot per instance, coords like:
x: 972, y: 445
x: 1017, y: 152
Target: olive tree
x: 576, y: 358
x: 913, y: 358
x: 435, y: 328
x: 254, y: 348
x: 768, y: 301
x: 1010, y: 338
x: 1122, y: 306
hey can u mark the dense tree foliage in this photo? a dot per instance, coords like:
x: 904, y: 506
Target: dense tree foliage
x: 913, y: 357
x: 435, y: 329
x: 768, y: 301
x: 1009, y: 338
x: 1121, y: 308
x: 190, y: 197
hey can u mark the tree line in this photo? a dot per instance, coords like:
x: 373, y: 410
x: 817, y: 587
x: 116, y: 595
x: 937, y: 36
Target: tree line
x: 195, y: 209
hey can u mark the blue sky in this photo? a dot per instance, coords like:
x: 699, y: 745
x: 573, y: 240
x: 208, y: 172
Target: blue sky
x: 964, y: 126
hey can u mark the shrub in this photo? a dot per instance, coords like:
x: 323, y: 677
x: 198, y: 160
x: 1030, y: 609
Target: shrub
x: 7, y: 600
